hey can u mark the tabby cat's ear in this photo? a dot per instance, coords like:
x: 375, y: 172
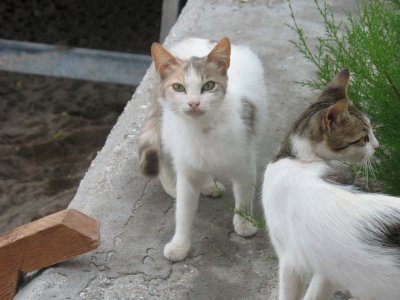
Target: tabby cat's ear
x: 337, y: 88
x: 341, y: 79
x: 220, y: 55
x: 164, y: 61
x: 334, y: 112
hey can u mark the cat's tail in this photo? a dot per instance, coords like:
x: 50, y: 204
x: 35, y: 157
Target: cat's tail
x: 150, y: 139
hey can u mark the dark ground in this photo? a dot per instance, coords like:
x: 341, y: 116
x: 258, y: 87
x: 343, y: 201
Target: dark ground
x: 122, y: 25
x: 52, y: 128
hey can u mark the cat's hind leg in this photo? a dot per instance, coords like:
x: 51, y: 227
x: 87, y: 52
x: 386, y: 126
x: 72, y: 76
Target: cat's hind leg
x: 291, y: 284
x: 320, y: 288
x: 212, y: 188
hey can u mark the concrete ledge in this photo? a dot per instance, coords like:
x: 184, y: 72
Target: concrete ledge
x: 137, y: 217
x: 76, y: 63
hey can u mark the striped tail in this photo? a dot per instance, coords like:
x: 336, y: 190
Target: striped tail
x: 150, y: 139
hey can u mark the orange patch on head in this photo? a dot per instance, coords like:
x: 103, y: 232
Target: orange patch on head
x: 164, y: 61
x: 220, y: 55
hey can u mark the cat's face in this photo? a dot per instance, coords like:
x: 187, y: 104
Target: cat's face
x: 193, y: 88
x: 349, y: 137
x: 334, y: 128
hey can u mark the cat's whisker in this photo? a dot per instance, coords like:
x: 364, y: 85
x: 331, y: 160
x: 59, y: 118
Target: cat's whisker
x: 371, y: 163
x: 363, y: 171
x: 367, y: 170
x: 374, y: 161
x: 359, y: 170
x: 213, y: 116
x: 367, y: 173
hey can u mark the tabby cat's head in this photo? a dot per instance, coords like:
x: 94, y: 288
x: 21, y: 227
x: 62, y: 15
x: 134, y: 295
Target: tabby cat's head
x: 332, y: 128
x: 193, y: 87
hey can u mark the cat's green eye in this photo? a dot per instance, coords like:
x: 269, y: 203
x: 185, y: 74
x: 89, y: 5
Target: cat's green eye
x: 360, y: 142
x: 363, y: 140
x: 178, y: 87
x: 208, y: 86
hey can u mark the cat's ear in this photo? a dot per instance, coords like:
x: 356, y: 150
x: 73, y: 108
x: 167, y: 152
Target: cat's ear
x: 164, y: 61
x: 341, y: 80
x: 334, y: 112
x: 337, y: 88
x: 220, y: 55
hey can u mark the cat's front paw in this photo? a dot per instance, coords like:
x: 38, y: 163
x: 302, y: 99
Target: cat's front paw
x: 176, y: 251
x: 243, y: 227
x: 213, y: 189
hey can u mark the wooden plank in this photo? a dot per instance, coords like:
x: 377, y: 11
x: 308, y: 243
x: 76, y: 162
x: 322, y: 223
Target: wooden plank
x: 8, y: 282
x: 42, y: 243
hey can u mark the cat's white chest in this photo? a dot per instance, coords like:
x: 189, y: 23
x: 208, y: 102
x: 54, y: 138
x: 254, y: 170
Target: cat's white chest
x: 207, y: 149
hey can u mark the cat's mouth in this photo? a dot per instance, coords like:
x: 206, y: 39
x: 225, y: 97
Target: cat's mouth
x: 194, y: 113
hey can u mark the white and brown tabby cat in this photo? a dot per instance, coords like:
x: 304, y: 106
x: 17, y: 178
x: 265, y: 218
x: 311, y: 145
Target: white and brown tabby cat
x: 318, y: 224
x: 206, y: 115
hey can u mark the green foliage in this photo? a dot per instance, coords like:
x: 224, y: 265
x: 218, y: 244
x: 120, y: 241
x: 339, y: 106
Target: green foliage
x: 368, y: 44
x: 257, y: 221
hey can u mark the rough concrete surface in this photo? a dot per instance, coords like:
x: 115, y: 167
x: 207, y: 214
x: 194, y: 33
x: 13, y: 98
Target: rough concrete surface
x: 137, y: 216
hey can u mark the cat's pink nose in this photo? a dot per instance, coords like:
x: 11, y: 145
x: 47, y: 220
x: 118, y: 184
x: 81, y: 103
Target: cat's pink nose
x: 194, y: 104
x: 376, y: 145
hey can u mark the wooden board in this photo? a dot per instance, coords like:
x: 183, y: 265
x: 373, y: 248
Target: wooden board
x: 42, y: 243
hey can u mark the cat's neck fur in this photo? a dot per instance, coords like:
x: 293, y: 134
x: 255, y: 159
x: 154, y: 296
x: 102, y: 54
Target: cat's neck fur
x: 302, y: 148
x: 301, y: 141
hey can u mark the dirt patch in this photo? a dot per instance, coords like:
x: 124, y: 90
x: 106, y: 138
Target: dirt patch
x: 123, y: 25
x: 50, y: 130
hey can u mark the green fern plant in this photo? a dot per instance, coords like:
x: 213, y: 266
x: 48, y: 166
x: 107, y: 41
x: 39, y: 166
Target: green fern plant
x: 368, y: 44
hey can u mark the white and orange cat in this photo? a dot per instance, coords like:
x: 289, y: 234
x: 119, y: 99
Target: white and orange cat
x: 205, y: 117
x: 321, y: 225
